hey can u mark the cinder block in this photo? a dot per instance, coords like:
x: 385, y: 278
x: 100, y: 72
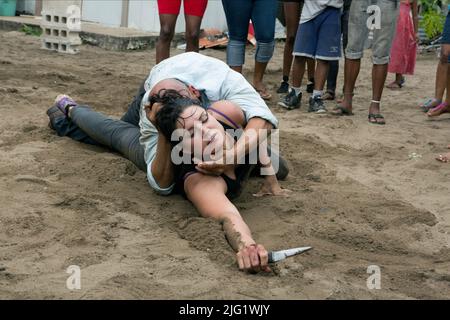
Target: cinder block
x: 51, y: 19
x: 68, y: 48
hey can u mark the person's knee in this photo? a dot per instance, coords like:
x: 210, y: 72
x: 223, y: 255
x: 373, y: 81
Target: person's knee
x: 192, y: 36
x: 264, y: 51
x: 166, y: 34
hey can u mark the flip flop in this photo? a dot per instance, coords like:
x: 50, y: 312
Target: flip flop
x: 437, y: 111
x: 394, y: 85
x: 376, y: 116
x: 341, y: 111
x: 264, y: 94
x: 427, y: 105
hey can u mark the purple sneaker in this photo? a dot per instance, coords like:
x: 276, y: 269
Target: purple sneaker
x: 60, y: 109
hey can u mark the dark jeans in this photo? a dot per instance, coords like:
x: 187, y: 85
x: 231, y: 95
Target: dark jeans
x: 334, y: 65
x: 263, y: 15
x: 122, y: 136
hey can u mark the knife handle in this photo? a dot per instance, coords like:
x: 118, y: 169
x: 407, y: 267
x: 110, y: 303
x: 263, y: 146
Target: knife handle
x: 270, y: 256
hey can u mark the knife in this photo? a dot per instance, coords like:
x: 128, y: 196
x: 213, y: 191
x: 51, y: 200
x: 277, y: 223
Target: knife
x: 275, y: 256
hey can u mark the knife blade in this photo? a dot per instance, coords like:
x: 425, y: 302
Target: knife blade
x: 275, y: 256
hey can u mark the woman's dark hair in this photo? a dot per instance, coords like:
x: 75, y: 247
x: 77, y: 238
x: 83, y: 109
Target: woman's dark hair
x: 173, y: 104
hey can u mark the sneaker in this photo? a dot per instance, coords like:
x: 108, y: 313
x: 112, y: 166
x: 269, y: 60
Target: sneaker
x: 60, y: 109
x: 316, y: 105
x: 284, y: 87
x: 63, y: 102
x: 310, y: 86
x: 291, y: 100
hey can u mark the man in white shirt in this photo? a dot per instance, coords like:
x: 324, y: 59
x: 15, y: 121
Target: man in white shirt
x: 135, y: 136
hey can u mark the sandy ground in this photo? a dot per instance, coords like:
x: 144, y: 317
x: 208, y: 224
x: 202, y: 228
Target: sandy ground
x: 359, y: 199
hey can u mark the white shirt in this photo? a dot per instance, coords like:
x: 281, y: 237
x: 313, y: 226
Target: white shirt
x: 312, y: 8
x: 204, y: 73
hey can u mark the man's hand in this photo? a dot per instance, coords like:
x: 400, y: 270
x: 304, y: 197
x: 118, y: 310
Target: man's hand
x: 253, y: 258
x: 213, y: 168
x: 219, y: 162
x: 151, y: 112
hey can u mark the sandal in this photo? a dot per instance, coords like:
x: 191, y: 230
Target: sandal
x: 394, y: 85
x: 429, y: 104
x: 328, y: 95
x: 339, y: 110
x: 440, y: 109
x: 373, y: 118
x: 264, y: 93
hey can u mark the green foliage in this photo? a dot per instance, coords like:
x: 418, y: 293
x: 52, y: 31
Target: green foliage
x: 31, y: 31
x: 433, y: 19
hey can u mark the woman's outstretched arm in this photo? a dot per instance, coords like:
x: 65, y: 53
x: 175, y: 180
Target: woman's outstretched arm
x: 207, y: 193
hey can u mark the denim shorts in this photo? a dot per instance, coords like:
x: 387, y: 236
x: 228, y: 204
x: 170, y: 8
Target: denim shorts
x: 320, y: 38
x: 446, y: 33
x: 358, y: 32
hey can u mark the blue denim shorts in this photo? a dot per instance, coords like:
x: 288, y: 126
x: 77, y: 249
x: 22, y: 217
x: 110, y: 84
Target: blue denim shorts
x: 320, y: 38
x: 446, y: 33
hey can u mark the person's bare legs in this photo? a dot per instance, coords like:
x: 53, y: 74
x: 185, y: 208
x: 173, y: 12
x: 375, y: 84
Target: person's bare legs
x: 444, y: 61
x: 397, y: 83
x: 379, y: 74
x: 320, y: 75
x: 237, y: 68
x: 192, y: 32
x: 258, y: 75
x: 351, y: 72
x: 298, y: 71
x: 292, y: 16
x: 311, y: 63
x: 442, y: 73
x: 167, y: 22
x: 444, y: 84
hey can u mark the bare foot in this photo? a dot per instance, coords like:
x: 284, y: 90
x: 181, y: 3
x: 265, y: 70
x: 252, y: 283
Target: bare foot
x: 444, y: 157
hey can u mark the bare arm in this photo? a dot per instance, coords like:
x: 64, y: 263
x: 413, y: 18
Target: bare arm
x: 162, y: 168
x: 207, y: 193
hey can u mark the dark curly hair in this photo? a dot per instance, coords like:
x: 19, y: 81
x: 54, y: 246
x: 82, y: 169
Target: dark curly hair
x: 173, y: 105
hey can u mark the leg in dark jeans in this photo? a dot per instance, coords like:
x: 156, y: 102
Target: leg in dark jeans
x: 118, y: 135
x: 66, y: 127
x: 122, y: 136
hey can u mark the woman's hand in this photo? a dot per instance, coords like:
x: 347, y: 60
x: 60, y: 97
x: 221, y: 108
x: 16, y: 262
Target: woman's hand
x: 253, y: 258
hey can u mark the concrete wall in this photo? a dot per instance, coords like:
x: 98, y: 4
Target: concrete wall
x: 107, y: 12
x: 143, y: 14
x: 27, y: 6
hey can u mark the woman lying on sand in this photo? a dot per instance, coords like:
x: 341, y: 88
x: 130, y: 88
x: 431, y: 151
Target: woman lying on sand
x: 211, y: 194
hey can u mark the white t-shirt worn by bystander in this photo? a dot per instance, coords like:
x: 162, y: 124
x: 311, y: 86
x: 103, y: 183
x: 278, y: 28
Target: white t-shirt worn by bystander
x: 312, y: 8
